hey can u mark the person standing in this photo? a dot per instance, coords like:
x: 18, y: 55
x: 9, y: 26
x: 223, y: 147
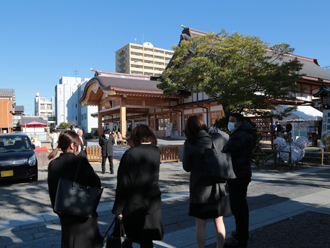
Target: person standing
x: 106, y: 142
x: 83, y: 143
x: 207, y: 199
x: 53, y: 139
x: 240, y: 146
x: 138, y: 196
x: 76, y: 231
x: 114, y: 135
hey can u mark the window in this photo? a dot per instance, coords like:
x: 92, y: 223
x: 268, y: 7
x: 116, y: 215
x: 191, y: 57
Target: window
x: 76, y: 105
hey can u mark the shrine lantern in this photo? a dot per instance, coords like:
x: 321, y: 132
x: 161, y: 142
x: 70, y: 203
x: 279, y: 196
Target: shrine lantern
x: 324, y: 93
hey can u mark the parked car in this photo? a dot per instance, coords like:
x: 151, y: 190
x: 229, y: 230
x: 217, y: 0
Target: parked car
x: 17, y: 158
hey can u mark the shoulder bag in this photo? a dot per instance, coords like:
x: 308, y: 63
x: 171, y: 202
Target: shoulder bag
x: 117, y: 242
x: 75, y: 198
x: 218, y: 166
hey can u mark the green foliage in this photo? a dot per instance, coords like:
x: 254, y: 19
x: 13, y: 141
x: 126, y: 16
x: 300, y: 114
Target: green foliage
x: 235, y: 70
x: 64, y: 125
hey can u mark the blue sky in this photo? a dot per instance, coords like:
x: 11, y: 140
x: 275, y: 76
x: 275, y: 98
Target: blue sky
x: 42, y: 41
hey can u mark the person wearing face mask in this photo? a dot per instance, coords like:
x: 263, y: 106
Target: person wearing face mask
x: 76, y: 231
x: 106, y: 142
x: 240, y: 145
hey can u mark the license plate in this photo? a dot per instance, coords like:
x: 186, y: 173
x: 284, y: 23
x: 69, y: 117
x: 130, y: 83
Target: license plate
x: 9, y: 173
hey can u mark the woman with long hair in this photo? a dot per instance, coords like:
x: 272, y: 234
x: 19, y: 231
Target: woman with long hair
x: 138, y: 198
x: 207, y: 199
x: 76, y: 231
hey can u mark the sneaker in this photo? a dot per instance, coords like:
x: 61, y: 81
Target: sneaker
x: 234, y: 243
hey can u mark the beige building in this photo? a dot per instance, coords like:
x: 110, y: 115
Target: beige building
x: 142, y: 59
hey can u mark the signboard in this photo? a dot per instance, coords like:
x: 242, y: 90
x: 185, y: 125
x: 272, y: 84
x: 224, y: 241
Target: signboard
x: 326, y: 121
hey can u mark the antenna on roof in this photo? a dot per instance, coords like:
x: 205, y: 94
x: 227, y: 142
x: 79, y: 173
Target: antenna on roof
x: 142, y: 38
x: 135, y: 40
x: 76, y: 72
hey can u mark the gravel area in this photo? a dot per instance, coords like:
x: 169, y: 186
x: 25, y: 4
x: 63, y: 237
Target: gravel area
x: 307, y: 230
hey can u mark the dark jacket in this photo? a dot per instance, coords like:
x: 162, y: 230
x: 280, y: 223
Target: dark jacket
x: 65, y: 166
x: 138, y: 196
x: 107, y: 145
x: 82, y: 144
x: 201, y: 190
x: 240, y: 146
x: 137, y: 181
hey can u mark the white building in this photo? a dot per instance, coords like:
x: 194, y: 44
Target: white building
x: 43, y: 106
x: 63, y: 91
x: 142, y: 59
x: 81, y: 115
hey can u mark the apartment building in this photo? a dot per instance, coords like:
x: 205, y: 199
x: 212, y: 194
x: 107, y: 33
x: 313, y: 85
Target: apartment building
x: 63, y: 91
x: 7, y: 100
x: 142, y: 59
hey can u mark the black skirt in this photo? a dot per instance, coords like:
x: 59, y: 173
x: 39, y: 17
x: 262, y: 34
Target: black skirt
x: 143, y: 228
x: 210, y: 210
x: 81, y: 234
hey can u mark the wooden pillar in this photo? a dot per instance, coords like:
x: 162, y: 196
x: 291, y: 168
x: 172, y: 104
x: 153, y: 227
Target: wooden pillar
x: 99, y: 124
x: 123, y: 117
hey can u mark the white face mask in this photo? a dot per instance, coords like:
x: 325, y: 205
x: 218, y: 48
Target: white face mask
x: 79, y: 150
x: 231, y: 126
x: 106, y: 136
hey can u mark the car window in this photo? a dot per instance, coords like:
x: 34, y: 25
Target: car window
x: 14, y: 144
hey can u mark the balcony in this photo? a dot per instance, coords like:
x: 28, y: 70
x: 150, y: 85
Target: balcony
x: 121, y: 65
x: 121, y: 59
x: 121, y: 53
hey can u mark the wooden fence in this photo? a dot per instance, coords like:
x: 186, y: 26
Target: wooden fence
x: 169, y: 154
x: 94, y: 153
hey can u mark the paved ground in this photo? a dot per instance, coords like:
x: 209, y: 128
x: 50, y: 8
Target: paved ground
x: 279, y: 203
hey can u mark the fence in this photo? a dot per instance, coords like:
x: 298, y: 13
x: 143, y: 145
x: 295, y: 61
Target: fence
x: 169, y: 154
x: 94, y: 153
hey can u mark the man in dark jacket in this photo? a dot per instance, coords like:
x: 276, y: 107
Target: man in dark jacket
x: 240, y: 146
x: 106, y: 142
x: 83, y: 143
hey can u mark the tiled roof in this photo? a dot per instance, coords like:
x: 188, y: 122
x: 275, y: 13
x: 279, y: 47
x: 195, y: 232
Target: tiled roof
x: 310, y: 66
x: 19, y: 108
x: 7, y: 92
x: 26, y: 120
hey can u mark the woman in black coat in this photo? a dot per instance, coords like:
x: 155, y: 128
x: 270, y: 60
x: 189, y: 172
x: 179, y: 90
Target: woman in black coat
x: 138, y: 197
x: 76, y: 231
x: 207, y: 199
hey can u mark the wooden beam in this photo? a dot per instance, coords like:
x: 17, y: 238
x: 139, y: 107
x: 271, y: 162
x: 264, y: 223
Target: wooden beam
x: 99, y: 124
x: 123, y: 117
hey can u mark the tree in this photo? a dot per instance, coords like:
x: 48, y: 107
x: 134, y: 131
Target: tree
x: 64, y: 125
x: 240, y: 72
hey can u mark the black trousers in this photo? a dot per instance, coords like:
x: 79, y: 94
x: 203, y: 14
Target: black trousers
x: 239, y: 207
x: 110, y: 158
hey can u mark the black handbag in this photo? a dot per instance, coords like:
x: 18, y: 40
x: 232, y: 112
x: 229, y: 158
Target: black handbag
x: 117, y: 242
x: 218, y: 166
x: 75, y: 198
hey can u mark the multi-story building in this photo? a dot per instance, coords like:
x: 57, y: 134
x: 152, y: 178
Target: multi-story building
x: 7, y: 100
x: 142, y: 59
x: 43, y: 106
x: 63, y: 91
x: 81, y: 115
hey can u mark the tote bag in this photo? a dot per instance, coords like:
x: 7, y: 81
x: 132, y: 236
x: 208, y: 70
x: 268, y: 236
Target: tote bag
x: 75, y: 198
x: 218, y: 166
x: 117, y: 242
